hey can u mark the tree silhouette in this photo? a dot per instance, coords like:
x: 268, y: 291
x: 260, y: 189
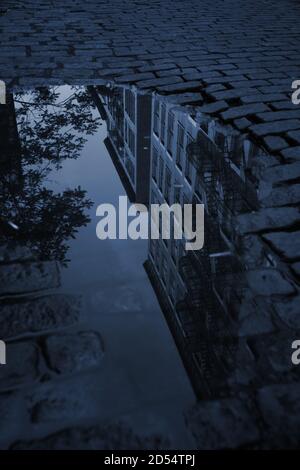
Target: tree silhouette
x: 52, y: 126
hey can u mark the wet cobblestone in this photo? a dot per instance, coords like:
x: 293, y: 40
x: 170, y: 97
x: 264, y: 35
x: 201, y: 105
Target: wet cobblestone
x: 232, y: 63
x: 245, y: 52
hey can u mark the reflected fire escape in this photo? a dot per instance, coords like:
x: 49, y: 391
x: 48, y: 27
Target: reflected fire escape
x: 214, y: 275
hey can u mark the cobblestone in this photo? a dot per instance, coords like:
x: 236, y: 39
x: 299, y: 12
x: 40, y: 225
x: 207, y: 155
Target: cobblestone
x: 269, y: 282
x: 288, y: 311
x: 267, y: 219
x: 11, y: 253
x: 245, y: 58
x: 24, y: 365
x: 291, y: 154
x: 286, y: 243
x: 281, y: 196
x: 38, y: 314
x: 68, y: 353
x: 27, y: 277
x: 274, y: 402
x: 223, y: 424
x: 238, y: 67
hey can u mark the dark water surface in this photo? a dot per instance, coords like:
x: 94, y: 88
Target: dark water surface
x: 143, y: 373
x: 141, y: 379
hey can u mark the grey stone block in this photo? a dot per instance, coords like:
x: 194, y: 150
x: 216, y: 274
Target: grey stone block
x: 222, y: 424
x: 281, y: 173
x: 255, y: 317
x: 296, y: 268
x: 39, y: 314
x: 275, y: 143
x: 280, y: 196
x: 12, y: 411
x: 279, y: 115
x: 158, y: 82
x: 267, y: 219
x: 18, y: 278
x: 185, y: 98
x: 241, y: 111
x: 288, y: 312
x: 214, y: 107
x: 267, y: 281
x: 62, y: 401
x: 22, y: 365
x: 286, y: 244
x: 185, y: 86
x: 262, y: 98
x: 73, y: 352
x: 242, y: 123
x: 11, y: 252
x: 294, y: 135
x: 275, y: 127
x: 291, y: 154
x: 280, y: 408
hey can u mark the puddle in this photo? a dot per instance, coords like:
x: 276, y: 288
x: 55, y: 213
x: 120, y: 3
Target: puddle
x: 170, y: 321
x: 63, y: 169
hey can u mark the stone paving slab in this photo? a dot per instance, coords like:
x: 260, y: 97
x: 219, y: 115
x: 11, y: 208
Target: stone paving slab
x: 39, y: 314
x: 73, y: 352
x: 19, y: 278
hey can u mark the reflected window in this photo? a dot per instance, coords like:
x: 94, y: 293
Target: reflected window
x: 174, y: 250
x: 130, y: 169
x: 198, y: 187
x: 130, y: 105
x: 153, y: 198
x: 177, y: 192
x: 157, y: 255
x: 170, y: 132
x: 237, y: 151
x: 172, y: 287
x: 186, y: 200
x: 188, y: 165
x: 154, y: 162
x: 163, y: 122
x: 168, y: 179
x: 180, y: 148
x: 161, y: 173
x: 153, y: 246
x: 131, y: 141
x: 164, y: 269
x: 156, y: 117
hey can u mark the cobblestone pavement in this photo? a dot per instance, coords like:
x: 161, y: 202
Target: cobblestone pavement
x: 232, y: 55
x: 233, y: 62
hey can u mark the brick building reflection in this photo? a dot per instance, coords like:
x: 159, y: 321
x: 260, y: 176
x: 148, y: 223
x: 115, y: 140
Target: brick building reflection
x: 128, y: 118
x: 201, y: 293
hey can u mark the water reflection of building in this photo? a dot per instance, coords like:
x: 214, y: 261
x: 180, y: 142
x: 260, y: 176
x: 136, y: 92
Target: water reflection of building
x: 205, y: 295
x: 128, y: 118
x: 199, y: 291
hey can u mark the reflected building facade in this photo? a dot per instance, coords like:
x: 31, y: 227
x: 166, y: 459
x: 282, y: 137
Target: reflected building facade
x: 183, y: 280
x: 128, y: 118
x: 218, y: 322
